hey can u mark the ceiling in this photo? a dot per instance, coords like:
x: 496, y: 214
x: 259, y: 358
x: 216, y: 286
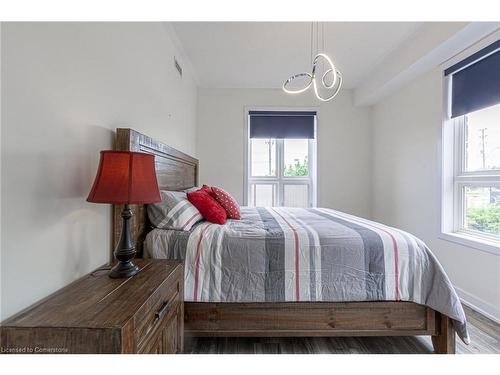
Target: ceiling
x: 264, y: 54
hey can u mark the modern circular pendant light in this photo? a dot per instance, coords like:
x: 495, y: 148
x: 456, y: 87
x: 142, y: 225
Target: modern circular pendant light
x: 331, y: 72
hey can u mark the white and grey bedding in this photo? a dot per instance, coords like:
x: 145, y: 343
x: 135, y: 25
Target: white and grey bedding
x: 293, y: 254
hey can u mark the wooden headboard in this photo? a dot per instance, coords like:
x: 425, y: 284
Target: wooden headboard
x: 174, y: 170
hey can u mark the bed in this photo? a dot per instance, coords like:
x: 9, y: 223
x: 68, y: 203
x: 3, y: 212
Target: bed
x: 296, y: 272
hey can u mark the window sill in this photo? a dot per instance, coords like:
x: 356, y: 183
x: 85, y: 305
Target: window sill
x: 464, y: 239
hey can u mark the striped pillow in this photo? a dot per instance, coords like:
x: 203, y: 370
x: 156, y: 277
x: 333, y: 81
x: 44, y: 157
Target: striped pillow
x: 174, y: 211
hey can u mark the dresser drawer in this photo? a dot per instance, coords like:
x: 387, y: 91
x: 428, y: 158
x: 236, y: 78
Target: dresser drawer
x: 171, y: 344
x: 153, y: 346
x: 159, y: 308
x: 168, y: 338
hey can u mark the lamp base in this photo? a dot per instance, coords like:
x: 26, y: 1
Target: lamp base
x: 125, y: 250
x: 123, y: 269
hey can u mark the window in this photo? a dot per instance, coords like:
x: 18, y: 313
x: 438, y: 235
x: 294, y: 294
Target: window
x: 477, y: 176
x: 471, y: 151
x: 263, y: 158
x: 281, y: 159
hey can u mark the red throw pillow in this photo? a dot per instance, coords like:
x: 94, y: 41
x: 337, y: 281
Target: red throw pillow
x: 208, y: 190
x: 227, y: 201
x: 208, y: 206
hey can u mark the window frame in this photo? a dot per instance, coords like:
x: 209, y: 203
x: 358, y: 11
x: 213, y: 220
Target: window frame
x: 454, y: 177
x: 280, y: 179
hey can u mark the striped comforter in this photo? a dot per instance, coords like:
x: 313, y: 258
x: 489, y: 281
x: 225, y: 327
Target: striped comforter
x: 294, y: 254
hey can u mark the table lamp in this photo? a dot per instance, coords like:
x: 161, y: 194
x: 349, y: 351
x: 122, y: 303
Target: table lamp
x: 125, y: 177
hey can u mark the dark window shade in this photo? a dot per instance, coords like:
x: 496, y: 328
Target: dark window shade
x: 476, y: 81
x: 289, y: 124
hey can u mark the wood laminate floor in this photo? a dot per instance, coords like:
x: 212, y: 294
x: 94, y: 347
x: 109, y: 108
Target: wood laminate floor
x: 484, y: 334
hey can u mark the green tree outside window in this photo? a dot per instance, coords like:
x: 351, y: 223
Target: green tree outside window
x: 485, y: 219
x: 298, y: 169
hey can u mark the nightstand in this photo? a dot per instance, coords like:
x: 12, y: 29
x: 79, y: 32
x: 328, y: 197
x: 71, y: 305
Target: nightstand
x: 97, y: 314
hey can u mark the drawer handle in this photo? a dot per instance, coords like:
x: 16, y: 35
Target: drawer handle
x: 163, y: 310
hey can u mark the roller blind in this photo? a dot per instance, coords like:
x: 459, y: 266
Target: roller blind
x: 282, y: 124
x: 476, y: 81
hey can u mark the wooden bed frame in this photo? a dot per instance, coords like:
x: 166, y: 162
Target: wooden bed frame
x: 178, y: 171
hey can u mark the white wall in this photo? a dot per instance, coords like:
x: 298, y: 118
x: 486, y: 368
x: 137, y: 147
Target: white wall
x: 344, y: 143
x: 65, y: 88
x: 406, y: 186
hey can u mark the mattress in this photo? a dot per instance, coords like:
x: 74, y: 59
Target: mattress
x: 283, y: 254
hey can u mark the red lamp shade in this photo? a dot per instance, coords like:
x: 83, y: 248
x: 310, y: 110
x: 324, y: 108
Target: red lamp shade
x: 125, y: 177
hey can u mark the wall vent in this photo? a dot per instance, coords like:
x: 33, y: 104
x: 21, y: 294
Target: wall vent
x: 178, y: 66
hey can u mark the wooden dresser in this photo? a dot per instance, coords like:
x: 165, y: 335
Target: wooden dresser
x: 97, y: 314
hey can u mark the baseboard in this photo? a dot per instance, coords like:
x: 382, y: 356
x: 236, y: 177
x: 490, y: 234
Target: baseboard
x: 482, y: 307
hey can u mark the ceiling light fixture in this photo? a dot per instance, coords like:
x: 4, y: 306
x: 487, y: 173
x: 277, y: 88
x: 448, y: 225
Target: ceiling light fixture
x: 319, y: 61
